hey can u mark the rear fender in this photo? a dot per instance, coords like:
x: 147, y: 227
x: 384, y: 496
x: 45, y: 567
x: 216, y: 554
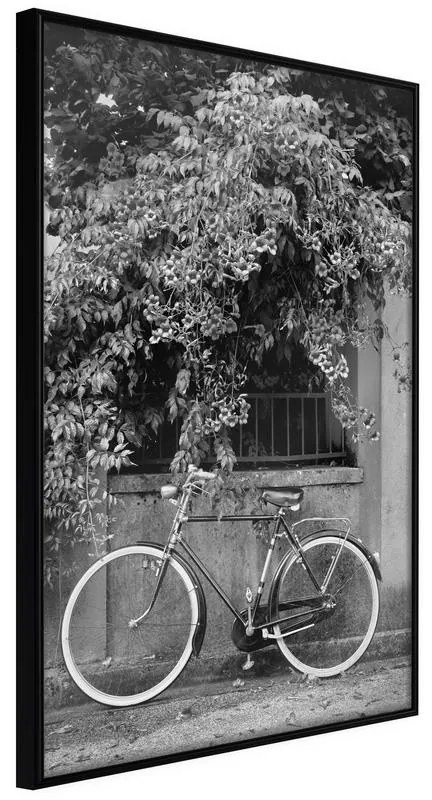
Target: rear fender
x: 317, y: 535
x: 200, y: 629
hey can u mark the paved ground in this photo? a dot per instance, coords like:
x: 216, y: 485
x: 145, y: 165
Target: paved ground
x: 190, y: 717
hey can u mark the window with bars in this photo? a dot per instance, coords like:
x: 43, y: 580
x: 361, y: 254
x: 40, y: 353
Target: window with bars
x: 299, y: 428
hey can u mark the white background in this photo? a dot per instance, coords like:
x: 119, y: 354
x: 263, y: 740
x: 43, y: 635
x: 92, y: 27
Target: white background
x: 390, y: 760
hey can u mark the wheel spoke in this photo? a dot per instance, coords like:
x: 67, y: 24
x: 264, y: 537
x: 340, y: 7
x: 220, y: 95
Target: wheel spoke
x: 339, y: 589
x: 105, y: 656
x: 344, y: 632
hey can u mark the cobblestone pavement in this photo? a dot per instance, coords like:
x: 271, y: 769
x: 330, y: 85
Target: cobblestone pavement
x: 215, y: 713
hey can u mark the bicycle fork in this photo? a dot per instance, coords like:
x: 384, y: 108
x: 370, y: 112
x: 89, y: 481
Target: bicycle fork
x: 172, y: 541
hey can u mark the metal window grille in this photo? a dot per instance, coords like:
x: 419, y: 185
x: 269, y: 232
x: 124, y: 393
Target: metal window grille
x: 280, y: 428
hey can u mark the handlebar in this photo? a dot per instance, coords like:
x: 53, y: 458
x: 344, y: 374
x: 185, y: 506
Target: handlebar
x: 201, y: 475
x: 197, y: 474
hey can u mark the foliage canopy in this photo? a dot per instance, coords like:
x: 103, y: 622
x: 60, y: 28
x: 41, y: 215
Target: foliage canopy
x: 210, y: 210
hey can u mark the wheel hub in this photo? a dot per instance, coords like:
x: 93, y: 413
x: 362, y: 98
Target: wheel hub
x: 329, y: 604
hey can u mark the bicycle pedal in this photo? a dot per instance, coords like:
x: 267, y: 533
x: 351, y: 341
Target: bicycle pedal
x: 248, y: 663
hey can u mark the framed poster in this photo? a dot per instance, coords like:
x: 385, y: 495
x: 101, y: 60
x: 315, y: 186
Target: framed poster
x: 217, y: 398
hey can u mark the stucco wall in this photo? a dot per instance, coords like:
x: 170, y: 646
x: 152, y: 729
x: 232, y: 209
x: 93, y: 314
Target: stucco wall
x: 235, y: 555
x: 386, y: 497
x: 396, y: 469
x: 231, y: 551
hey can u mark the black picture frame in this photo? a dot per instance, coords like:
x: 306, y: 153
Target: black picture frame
x: 30, y: 743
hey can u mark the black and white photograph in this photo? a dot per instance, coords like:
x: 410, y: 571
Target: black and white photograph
x: 229, y: 452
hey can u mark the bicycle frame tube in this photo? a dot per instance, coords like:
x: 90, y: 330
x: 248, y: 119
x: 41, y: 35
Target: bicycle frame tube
x: 176, y: 538
x: 267, y: 564
x: 232, y: 518
x: 295, y: 544
x: 313, y: 602
x: 220, y: 591
x: 203, y: 569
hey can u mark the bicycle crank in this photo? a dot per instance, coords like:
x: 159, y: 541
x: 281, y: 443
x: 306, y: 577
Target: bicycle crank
x: 267, y: 635
x: 245, y: 643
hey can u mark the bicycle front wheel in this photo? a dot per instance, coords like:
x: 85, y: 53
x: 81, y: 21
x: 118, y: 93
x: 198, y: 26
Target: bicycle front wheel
x: 336, y: 641
x: 111, y: 660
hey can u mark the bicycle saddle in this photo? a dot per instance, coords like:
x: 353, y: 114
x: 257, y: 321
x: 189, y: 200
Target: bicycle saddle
x: 287, y: 497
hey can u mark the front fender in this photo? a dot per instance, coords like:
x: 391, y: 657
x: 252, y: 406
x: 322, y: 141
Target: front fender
x: 200, y: 629
x: 274, y: 588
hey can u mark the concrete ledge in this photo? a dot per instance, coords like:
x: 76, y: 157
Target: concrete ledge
x: 263, y: 478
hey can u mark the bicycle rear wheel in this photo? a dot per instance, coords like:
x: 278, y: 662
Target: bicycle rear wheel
x: 111, y: 661
x: 335, y: 642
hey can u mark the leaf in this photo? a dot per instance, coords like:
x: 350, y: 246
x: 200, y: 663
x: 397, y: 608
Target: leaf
x: 63, y: 729
x: 182, y: 381
x: 404, y: 158
x: 133, y: 227
x: 185, y: 218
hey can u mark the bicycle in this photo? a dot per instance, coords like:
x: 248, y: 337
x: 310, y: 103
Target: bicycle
x: 143, y: 609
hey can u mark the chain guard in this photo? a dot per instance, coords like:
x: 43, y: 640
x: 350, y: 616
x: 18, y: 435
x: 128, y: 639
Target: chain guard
x: 248, y: 644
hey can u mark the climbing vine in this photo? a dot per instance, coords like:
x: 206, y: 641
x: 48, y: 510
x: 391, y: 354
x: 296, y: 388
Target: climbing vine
x: 208, y: 211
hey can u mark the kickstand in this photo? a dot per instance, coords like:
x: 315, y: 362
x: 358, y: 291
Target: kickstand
x: 248, y: 663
